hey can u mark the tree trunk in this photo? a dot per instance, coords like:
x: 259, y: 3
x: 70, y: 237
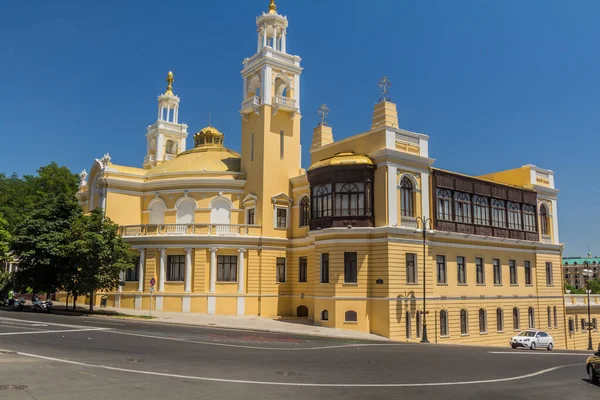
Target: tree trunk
x: 91, y: 302
x: 74, y: 302
x: 67, y: 302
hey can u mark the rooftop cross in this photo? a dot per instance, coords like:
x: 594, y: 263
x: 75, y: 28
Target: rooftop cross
x: 384, y: 85
x: 323, y: 112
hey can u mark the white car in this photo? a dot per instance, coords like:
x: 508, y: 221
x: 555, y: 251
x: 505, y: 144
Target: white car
x: 532, y: 339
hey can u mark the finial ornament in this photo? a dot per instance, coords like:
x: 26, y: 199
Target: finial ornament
x: 105, y: 160
x: 82, y: 178
x: 323, y: 112
x: 170, y: 80
x: 384, y: 86
x: 272, y: 7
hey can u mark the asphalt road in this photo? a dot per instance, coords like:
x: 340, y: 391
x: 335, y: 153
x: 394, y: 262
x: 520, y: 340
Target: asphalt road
x: 73, y: 357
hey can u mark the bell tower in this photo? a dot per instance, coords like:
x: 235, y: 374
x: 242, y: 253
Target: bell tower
x: 166, y: 137
x: 271, y: 120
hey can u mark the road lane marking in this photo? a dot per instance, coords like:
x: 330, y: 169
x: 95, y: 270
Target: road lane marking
x: 339, y: 346
x: 24, y: 323
x: 379, y: 385
x: 56, y: 331
x: 101, y: 322
x: 16, y: 320
x: 539, y: 353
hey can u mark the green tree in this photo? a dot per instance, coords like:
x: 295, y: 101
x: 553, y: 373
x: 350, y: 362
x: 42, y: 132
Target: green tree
x: 4, y: 241
x: 42, y: 244
x: 99, y: 255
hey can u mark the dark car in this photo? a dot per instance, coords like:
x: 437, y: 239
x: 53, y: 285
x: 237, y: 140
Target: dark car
x: 593, y: 367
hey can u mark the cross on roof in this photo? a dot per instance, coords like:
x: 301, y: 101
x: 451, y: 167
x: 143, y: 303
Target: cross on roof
x: 323, y: 112
x: 384, y: 85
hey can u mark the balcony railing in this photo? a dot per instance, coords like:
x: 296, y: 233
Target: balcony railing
x: 250, y: 105
x: 284, y: 103
x: 169, y: 157
x: 546, y: 239
x: 149, y: 159
x: 189, y: 229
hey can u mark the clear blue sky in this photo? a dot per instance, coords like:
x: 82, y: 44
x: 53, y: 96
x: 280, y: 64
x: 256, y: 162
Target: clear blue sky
x: 496, y: 84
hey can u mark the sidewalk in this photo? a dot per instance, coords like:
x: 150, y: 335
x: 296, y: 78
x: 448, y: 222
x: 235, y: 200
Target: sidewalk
x: 289, y: 326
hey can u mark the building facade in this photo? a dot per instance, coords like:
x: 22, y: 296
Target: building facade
x: 339, y: 243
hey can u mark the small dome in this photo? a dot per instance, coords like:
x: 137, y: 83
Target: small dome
x: 208, y: 136
x: 345, y: 158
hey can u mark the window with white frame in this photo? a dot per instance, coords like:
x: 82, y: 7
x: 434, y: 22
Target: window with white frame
x: 281, y: 217
x: 481, y: 210
x: 250, y: 216
x: 227, y: 268
x: 462, y: 205
x: 175, y: 268
x: 514, y: 216
x: 529, y: 218
x: 498, y: 213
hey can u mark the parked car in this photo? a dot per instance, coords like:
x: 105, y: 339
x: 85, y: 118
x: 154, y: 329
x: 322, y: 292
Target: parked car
x: 532, y: 339
x: 592, y: 365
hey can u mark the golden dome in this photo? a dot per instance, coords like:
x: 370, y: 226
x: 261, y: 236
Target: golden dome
x: 209, y: 136
x: 200, y: 159
x: 344, y: 158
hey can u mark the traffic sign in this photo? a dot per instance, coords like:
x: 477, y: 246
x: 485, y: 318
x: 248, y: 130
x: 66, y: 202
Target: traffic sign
x: 152, y: 282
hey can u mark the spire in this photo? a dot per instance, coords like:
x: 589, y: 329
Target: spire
x: 170, y: 81
x: 272, y: 7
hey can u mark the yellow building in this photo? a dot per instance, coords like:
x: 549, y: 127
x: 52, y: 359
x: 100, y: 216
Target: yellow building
x: 255, y: 234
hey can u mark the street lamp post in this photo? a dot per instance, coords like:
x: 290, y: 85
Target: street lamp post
x: 425, y: 223
x: 588, y: 273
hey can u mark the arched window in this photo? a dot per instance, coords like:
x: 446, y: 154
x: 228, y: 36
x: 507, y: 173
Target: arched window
x: 571, y: 325
x: 529, y: 218
x: 349, y: 199
x: 443, y: 323
x: 304, y: 211
x: 171, y: 147
x: 220, y: 215
x: 281, y: 87
x: 302, y: 312
x: 322, y: 201
x: 514, y: 216
x: 531, y: 317
x: 481, y: 212
x: 555, y: 318
x: 324, y: 315
x: 407, y: 197
x: 499, y: 320
x: 418, y: 323
x: 444, y: 204
x: 583, y: 327
x: 462, y: 204
x: 549, y: 317
x: 482, y: 321
x: 350, y: 316
x: 185, y: 211
x: 516, y: 319
x: 498, y: 213
x: 464, y: 323
x: 408, y: 327
x: 157, y: 213
x: 544, y: 219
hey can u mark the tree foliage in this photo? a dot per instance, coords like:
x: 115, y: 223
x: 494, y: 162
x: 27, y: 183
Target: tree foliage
x: 4, y: 241
x: 594, y: 285
x: 99, y: 255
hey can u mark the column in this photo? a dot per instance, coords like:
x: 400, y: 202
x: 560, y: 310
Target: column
x: 241, y: 271
x: 159, y: 147
x: 267, y: 85
x: 188, y: 270
x: 141, y: 270
x: 392, y: 195
x: 275, y: 30
x: 175, y: 114
x: 425, y: 195
x: 160, y: 109
x: 213, y: 269
x: 161, y: 276
x: 283, y: 41
x: 555, y: 239
x: 259, y: 40
x: 264, y: 30
x: 297, y: 91
x: 103, y: 191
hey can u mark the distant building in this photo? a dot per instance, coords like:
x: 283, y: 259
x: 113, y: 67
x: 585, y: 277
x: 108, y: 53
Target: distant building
x: 573, y: 269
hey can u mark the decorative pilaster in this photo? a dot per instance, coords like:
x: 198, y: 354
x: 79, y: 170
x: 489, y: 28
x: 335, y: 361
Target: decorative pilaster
x: 188, y: 270
x: 241, y: 271
x: 392, y: 195
x: 161, y: 273
x: 213, y: 269
x: 141, y: 274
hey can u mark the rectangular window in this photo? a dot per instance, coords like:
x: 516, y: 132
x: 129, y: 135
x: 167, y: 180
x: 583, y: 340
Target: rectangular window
x: 280, y: 269
x: 497, y: 272
x: 281, y: 145
x: 133, y: 274
x: 175, y: 268
x: 411, y: 268
x: 444, y: 205
x: 498, y: 213
x: 303, y: 270
x: 481, y: 210
x: 441, y: 269
x: 480, y: 270
x: 528, y: 273
x: 227, y: 268
x: 514, y: 216
x: 350, y: 268
x: 281, y: 217
x: 250, y: 216
x: 325, y: 268
x: 461, y: 270
x: 548, y: 274
x: 529, y: 216
x: 512, y: 266
x: 252, y: 146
